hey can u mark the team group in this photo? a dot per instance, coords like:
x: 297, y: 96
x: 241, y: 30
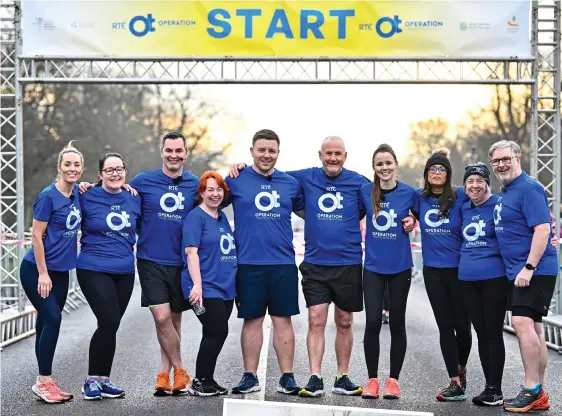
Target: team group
x: 483, y: 254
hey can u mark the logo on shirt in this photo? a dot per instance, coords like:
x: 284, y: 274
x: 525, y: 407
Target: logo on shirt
x: 384, y: 222
x: 170, y: 202
x: 121, y: 220
x: 497, y: 214
x: 473, y: 231
x: 73, y: 219
x: 433, y: 220
x: 177, y: 201
x: 328, y: 203
x: 227, y: 245
x: 265, y: 201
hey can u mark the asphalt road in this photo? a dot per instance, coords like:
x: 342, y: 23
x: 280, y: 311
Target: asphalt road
x: 137, y: 362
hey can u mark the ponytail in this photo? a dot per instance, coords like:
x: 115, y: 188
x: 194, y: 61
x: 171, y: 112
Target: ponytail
x: 376, y: 195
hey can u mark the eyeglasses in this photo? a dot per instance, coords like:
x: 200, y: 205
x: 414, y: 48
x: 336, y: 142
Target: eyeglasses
x: 505, y: 160
x: 119, y: 170
x: 440, y: 169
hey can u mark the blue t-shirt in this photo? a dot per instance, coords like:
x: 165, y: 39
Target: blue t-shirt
x: 331, y: 228
x: 217, y: 254
x: 387, y: 245
x: 109, y: 223
x: 441, y: 237
x: 519, y: 208
x: 63, y: 216
x: 262, y: 216
x: 480, y: 251
x: 165, y: 202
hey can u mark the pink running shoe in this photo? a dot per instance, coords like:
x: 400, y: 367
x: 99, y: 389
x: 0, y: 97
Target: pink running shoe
x: 48, y: 392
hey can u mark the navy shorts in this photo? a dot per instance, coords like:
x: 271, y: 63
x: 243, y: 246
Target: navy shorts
x: 271, y: 288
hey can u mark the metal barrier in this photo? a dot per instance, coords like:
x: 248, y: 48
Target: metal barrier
x: 17, y: 317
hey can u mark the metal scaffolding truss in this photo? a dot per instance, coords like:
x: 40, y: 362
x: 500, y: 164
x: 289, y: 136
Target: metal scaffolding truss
x: 542, y: 72
x: 275, y: 71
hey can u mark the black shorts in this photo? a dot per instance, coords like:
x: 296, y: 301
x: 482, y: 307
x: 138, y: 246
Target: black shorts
x: 342, y: 285
x: 267, y: 288
x: 161, y: 284
x: 534, y: 300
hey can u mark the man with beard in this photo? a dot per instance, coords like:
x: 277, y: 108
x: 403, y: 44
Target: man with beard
x: 523, y: 229
x: 168, y: 194
x: 263, y: 199
x: 332, y: 266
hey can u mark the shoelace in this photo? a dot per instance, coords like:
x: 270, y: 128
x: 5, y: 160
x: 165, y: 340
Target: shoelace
x: 451, y: 388
x: 93, y: 385
x: 248, y: 378
x: 51, y: 387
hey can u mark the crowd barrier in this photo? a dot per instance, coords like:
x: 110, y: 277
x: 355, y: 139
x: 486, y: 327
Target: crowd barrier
x: 18, y: 323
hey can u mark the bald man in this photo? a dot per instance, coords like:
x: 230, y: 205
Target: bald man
x: 332, y: 266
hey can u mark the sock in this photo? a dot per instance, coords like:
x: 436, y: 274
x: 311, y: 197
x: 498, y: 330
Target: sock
x: 341, y: 375
x: 535, y: 390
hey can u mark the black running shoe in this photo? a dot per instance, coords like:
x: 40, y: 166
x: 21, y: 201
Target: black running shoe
x: 203, y: 388
x: 453, y: 392
x: 314, y: 388
x: 287, y: 384
x: 343, y: 385
x: 462, y: 377
x: 491, y: 396
x: 522, y: 403
x: 222, y: 390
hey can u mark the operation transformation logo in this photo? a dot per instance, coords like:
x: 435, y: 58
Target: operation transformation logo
x: 387, y: 27
x: 142, y: 25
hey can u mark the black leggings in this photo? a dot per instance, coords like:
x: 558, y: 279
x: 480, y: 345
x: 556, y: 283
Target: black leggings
x: 398, y: 286
x: 444, y: 291
x: 215, y: 330
x: 486, y: 303
x: 108, y: 295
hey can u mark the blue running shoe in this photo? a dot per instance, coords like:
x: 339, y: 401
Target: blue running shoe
x: 248, y: 384
x: 343, y: 385
x: 91, y: 389
x: 110, y: 390
x: 287, y: 384
x: 314, y: 388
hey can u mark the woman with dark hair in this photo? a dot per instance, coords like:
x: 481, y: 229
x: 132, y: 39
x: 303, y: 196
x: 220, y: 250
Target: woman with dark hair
x: 44, y: 269
x: 388, y: 263
x: 106, y: 267
x: 440, y: 223
x: 209, y: 277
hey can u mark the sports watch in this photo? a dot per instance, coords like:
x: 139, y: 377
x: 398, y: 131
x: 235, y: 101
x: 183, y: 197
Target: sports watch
x: 529, y: 266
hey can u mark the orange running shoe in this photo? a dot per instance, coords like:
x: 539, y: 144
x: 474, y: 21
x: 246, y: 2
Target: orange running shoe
x: 182, y: 379
x: 162, y: 387
x: 48, y: 392
x: 391, y: 389
x: 542, y: 401
x: 372, y: 389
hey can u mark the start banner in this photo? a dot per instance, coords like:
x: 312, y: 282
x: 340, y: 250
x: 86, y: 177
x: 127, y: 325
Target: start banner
x: 117, y: 28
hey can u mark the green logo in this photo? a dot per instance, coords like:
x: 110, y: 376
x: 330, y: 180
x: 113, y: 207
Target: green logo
x: 463, y: 26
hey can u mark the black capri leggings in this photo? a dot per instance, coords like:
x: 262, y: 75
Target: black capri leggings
x: 486, y: 303
x: 215, y: 330
x: 108, y: 295
x: 398, y: 286
x: 444, y: 291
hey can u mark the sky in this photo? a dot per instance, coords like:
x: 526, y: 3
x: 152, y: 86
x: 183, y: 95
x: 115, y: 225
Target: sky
x: 363, y: 115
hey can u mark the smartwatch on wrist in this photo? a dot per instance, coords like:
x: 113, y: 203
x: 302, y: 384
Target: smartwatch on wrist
x: 529, y: 266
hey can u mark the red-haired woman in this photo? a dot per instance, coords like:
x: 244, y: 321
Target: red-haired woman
x: 209, y: 277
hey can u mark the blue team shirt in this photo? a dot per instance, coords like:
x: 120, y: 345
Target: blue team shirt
x: 519, y: 208
x: 480, y: 252
x: 165, y: 202
x: 217, y: 254
x: 63, y: 216
x: 441, y: 237
x: 262, y: 216
x: 109, y: 223
x: 387, y: 245
x: 331, y: 227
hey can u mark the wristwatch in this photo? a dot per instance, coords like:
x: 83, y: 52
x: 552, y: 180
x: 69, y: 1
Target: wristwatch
x: 529, y: 266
